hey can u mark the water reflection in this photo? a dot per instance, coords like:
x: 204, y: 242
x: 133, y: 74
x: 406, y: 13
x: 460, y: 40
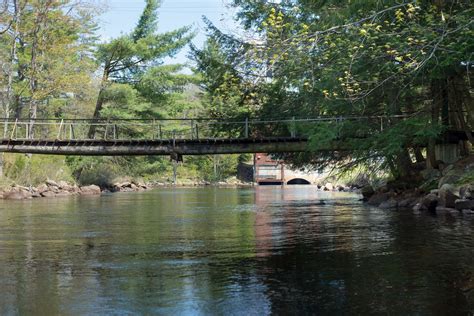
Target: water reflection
x: 231, y: 251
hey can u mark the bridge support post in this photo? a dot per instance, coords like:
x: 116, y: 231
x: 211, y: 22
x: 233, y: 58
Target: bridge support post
x: 246, y: 127
x: 293, y: 128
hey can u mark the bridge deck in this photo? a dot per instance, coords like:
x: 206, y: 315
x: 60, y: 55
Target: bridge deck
x: 154, y: 147
x: 179, y: 136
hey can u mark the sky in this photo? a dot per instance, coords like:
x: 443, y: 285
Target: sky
x: 121, y: 16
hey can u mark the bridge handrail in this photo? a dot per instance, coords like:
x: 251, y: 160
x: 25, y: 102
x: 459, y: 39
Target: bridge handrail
x: 183, y: 128
x: 217, y: 120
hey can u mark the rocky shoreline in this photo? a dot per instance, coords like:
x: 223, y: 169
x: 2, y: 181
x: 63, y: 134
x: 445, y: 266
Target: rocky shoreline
x: 48, y: 189
x: 448, y: 194
x: 51, y: 189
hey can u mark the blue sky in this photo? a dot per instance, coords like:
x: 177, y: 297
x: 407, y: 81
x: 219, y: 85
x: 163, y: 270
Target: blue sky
x: 121, y: 16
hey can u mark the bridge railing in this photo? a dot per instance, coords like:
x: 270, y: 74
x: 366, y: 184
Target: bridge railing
x: 165, y: 129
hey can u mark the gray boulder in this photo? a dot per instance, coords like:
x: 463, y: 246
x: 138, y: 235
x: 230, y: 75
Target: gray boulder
x: 447, y: 197
x: 17, y: 195
x: 367, y: 192
x: 52, y: 183
x: 464, y: 204
x: 389, y: 204
x: 48, y: 194
x: 90, y: 190
x: 466, y: 192
x: 429, y: 202
x: 379, y: 198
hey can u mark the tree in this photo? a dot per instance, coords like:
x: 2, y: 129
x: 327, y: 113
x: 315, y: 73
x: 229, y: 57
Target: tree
x: 360, y: 58
x: 127, y: 58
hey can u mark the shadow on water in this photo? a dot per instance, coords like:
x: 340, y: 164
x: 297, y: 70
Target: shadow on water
x: 254, y: 251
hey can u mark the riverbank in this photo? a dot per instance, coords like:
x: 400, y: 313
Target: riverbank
x: 447, y: 189
x: 51, y: 189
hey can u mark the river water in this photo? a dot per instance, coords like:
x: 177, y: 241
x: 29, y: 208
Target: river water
x: 255, y: 251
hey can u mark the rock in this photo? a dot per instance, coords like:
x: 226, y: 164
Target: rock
x: 17, y: 195
x: 367, y: 191
x: 417, y: 208
x: 447, y: 196
x: 42, y: 188
x: 90, y: 190
x: 328, y: 187
x: 389, y: 204
x: 63, y: 193
x: 21, y: 188
x: 429, y: 174
x: 407, y: 202
x: 442, y: 209
x: 466, y: 192
x: 434, y: 191
x: 52, y: 183
x: 464, y: 204
x: 379, y: 198
x: 63, y: 185
x: 48, y: 194
x: 429, y: 202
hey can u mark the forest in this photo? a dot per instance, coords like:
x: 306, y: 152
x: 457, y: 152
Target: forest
x: 295, y: 58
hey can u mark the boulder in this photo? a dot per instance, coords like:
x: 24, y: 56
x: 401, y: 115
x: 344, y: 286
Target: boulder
x: 447, y: 196
x: 442, y: 209
x: 328, y: 186
x: 52, y: 183
x: 17, y: 195
x: 429, y: 174
x: 379, y: 198
x: 35, y: 195
x: 63, y: 193
x: 407, y: 202
x: 417, y: 208
x: 63, y: 185
x: 466, y: 192
x: 367, y: 191
x: 429, y: 202
x: 21, y: 188
x: 464, y: 204
x: 42, y: 188
x: 90, y: 190
x: 48, y: 194
x: 389, y: 204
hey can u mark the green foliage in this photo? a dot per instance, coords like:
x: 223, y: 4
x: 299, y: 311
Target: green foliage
x: 337, y: 58
x: 24, y: 170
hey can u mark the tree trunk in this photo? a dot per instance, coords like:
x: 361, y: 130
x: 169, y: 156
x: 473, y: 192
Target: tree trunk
x: 435, y: 110
x: 100, y: 102
x: 418, y: 155
x: 404, y: 163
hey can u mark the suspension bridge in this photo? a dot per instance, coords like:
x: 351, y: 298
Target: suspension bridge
x: 173, y: 137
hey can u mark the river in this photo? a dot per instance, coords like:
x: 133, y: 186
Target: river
x: 219, y: 251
